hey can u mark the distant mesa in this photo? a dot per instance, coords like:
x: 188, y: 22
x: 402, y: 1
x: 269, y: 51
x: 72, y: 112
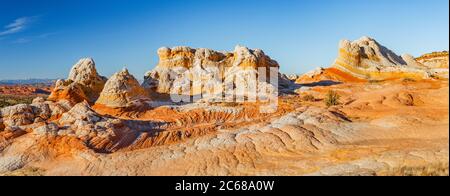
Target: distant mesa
x: 83, y: 83
x: 28, y: 82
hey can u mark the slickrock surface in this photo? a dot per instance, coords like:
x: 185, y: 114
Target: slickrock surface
x: 122, y: 90
x: 378, y: 129
x: 83, y: 83
x: 321, y: 75
x: 367, y: 59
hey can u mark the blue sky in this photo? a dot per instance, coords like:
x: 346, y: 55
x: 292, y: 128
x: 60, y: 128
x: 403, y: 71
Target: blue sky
x: 44, y: 38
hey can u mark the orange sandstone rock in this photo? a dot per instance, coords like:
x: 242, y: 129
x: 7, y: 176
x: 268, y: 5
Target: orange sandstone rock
x: 122, y: 90
x: 83, y: 83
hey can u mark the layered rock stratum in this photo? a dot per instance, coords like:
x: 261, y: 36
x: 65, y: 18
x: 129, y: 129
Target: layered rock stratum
x: 83, y: 83
x: 367, y: 59
x: 434, y: 60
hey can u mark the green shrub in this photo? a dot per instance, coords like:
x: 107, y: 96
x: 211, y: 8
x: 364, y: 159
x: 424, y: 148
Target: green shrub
x: 10, y: 100
x: 332, y: 98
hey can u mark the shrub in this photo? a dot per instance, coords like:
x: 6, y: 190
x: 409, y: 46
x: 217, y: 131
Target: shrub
x: 375, y: 81
x: 308, y: 98
x: 408, y: 80
x: 332, y: 98
x: 10, y: 100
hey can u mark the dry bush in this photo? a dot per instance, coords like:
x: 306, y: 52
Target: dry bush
x: 309, y: 98
x: 332, y: 98
x: 441, y: 169
x: 10, y: 100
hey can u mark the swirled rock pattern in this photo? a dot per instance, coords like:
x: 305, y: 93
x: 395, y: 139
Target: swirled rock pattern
x: 367, y: 59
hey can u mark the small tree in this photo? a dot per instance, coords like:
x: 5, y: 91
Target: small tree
x: 332, y: 98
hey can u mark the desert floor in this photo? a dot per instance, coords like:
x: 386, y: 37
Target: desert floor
x: 398, y: 127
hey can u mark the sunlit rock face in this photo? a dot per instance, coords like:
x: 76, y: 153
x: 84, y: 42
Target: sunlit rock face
x: 83, y: 83
x: 437, y: 63
x: 366, y: 58
x: 187, y: 71
x: 122, y: 90
x: 19, y: 119
x: 434, y: 60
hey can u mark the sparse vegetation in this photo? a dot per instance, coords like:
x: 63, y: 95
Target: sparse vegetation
x: 409, y: 80
x: 309, y: 98
x: 225, y: 104
x: 29, y: 171
x: 434, y: 77
x: 10, y: 100
x: 440, y: 169
x: 332, y: 98
x: 375, y: 81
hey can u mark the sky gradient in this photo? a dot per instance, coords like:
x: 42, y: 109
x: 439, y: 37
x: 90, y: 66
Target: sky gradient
x: 44, y: 38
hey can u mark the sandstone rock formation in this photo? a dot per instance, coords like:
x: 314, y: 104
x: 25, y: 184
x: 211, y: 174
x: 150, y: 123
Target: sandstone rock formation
x: 122, y: 90
x: 367, y: 59
x: 434, y: 60
x: 187, y: 71
x: 83, y: 83
x: 20, y: 119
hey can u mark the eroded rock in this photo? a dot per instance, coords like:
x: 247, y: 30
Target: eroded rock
x: 366, y: 58
x: 122, y: 90
x: 83, y: 83
x: 187, y: 71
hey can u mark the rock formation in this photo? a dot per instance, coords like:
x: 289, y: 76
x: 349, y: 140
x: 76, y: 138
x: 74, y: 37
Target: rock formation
x: 324, y: 75
x: 122, y: 90
x: 83, y: 83
x: 367, y: 59
x: 20, y: 119
x: 179, y: 68
x: 434, y: 60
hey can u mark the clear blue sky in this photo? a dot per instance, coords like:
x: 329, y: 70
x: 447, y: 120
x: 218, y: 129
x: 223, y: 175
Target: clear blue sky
x: 44, y: 38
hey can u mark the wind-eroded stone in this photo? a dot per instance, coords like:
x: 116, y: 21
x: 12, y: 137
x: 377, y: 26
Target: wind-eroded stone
x: 367, y: 59
x: 122, y: 90
x: 179, y: 67
x: 83, y: 83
